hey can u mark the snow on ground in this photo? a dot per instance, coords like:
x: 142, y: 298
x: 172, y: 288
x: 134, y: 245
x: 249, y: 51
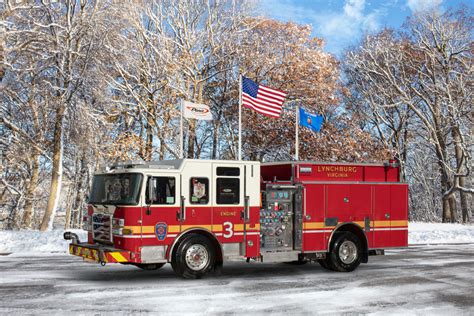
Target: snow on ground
x: 420, y: 280
x: 52, y: 241
x: 35, y: 241
x: 437, y: 233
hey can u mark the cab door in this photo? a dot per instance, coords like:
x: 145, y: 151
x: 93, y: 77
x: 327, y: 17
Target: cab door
x: 197, y: 204
x: 160, y: 223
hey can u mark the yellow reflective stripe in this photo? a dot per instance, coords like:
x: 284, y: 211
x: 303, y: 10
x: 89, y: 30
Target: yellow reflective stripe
x: 238, y: 227
x: 390, y: 223
x: 118, y: 256
x: 171, y: 229
x: 398, y: 223
x: 135, y: 229
x: 177, y: 228
x: 216, y: 228
x: 312, y: 225
x: 185, y: 227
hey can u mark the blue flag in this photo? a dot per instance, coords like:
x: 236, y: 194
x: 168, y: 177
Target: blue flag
x: 311, y: 121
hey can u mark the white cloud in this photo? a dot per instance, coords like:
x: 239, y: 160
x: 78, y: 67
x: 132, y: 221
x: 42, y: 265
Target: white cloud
x: 337, y: 28
x: 423, y: 5
x: 343, y: 27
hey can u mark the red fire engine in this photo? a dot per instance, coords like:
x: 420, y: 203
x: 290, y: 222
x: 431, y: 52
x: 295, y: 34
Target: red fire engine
x: 196, y: 214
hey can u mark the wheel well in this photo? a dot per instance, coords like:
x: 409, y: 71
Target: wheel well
x: 204, y: 233
x: 358, y: 232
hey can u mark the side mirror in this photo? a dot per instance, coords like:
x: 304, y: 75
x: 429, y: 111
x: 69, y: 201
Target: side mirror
x: 151, y: 191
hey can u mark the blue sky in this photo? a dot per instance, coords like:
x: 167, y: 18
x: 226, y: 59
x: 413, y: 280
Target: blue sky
x: 342, y: 23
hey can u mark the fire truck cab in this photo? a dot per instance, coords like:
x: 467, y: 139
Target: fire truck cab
x: 196, y: 214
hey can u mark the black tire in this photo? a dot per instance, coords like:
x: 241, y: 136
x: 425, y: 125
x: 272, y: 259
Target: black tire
x: 349, y: 257
x: 149, y: 266
x: 297, y: 262
x: 324, y: 263
x: 193, y: 246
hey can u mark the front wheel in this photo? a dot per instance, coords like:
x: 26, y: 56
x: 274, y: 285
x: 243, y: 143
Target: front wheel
x: 346, y: 253
x: 194, y: 257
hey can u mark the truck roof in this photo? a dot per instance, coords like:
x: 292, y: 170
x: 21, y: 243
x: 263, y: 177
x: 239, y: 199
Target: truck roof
x: 170, y: 165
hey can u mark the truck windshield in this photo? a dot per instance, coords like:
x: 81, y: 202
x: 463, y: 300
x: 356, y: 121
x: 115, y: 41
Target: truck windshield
x: 116, y: 189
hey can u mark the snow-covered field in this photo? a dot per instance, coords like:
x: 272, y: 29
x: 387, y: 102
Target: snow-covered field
x: 437, y: 233
x: 52, y: 242
x: 36, y: 242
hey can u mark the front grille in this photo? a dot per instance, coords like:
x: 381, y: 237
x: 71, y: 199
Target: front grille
x: 102, y: 227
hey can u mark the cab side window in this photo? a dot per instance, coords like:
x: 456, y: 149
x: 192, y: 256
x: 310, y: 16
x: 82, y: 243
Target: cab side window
x: 227, y: 185
x: 198, y: 190
x: 164, y: 188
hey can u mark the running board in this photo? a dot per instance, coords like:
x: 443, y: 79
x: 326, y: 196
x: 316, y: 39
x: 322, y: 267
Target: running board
x: 376, y: 252
x: 280, y: 256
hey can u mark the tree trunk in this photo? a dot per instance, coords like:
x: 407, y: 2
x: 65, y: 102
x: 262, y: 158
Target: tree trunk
x: 446, y: 211
x: 215, y: 139
x: 30, y: 191
x: 149, y: 142
x: 56, y: 175
x: 462, y: 179
x: 453, y: 208
x: 149, y: 131
x: 81, y: 188
x: 191, y: 139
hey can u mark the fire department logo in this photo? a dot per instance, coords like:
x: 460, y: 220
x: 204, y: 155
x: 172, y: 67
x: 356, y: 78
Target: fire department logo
x: 160, y: 230
x: 199, y: 190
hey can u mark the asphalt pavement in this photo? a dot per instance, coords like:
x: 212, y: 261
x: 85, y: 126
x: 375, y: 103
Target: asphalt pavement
x: 422, y: 280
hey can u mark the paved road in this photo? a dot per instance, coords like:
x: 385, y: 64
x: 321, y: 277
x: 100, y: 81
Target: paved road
x: 418, y: 280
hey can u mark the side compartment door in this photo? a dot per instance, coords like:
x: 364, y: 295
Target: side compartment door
x: 360, y: 204
x: 399, y: 215
x: 313, y: 218
x: 381, y: 215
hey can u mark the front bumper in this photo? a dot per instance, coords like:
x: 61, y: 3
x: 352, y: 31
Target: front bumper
x: 99, y: 253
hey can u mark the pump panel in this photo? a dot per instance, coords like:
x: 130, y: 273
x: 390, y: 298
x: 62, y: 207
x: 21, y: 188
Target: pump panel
x: 277, y: 219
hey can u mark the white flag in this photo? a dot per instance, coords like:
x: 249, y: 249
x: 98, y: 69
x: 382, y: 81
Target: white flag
x: 196, y: 111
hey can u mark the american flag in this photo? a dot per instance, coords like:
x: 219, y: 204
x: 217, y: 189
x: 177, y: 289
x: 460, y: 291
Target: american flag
x: 262, y: 99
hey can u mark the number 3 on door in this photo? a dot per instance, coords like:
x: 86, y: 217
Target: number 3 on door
x: 228, y: 230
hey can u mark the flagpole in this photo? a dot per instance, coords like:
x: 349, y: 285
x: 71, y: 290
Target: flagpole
x: 181, y: 141
x: 240, y: 117
x: 297, y: 124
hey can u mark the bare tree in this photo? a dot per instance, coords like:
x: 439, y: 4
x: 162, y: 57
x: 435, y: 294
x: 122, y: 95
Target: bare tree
x: 428, y: 71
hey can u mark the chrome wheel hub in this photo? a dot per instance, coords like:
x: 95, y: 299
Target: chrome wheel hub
x: 197, y: 257
x: 348, y: 252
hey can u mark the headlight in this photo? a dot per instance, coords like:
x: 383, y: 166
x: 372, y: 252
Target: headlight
x: 118, y: 227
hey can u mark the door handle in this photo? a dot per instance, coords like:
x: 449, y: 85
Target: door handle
x: 387, y: 215
x: 148, y: 210
x: 182, y: 209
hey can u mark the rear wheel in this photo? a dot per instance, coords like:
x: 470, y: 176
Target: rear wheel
x: 194, y: 257
x: 150, y: 266
x: 346, y: 253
